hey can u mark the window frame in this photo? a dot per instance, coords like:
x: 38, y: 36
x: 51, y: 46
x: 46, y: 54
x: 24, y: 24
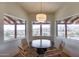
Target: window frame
x: 15, y: 29
x: 66, y: 28
x: 42, y: 37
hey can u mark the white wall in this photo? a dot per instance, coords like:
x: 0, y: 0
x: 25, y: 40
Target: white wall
x: 70, y: 45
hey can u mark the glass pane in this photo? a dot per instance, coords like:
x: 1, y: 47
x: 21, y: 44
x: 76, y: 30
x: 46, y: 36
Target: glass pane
x: 20, y: 31
x: 73, y: 31
x: 61, y: 30
x: 9, y: 32
x: 45, y: 29
x: 36, y: 30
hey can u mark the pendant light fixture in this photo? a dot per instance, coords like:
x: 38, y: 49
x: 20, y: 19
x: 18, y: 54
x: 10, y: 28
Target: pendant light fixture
x: 41, y: 17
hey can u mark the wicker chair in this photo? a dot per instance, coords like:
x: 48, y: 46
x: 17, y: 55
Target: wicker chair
x: 56, y: 52
x: 25, y: 50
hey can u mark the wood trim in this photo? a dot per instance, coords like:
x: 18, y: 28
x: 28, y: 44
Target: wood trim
x: 10, y: 19
x: 7, y: 21
x: 66, y: 20
x: 74, y: 19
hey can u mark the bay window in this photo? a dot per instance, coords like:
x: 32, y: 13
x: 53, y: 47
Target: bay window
x: 14, y: 28
x: 70, y: 31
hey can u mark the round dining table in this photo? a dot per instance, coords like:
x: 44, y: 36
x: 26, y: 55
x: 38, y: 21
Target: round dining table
x: 41, y: 45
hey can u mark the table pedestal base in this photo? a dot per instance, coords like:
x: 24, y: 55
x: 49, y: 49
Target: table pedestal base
x: 41, y: 50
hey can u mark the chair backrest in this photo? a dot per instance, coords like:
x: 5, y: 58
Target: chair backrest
x: 24, y: 44
x: 56, y: 51
x: 24, y: 41
x: 61, y: 46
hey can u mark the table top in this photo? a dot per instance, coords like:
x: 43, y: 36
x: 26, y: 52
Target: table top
x: 41, y: 43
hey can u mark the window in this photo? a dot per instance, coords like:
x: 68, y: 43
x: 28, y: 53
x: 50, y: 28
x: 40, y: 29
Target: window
x: 9, y: 32
x: 13, y: 28
x: 36, y: 29
x: 61, y: 30
x: 39, y: 29
x: 73, y: 31
x: 20, y: 31
x: 45, y: 29
x: 68, y: 27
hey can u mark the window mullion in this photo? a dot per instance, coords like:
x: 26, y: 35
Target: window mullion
x: 56, y: 29
x: 65, y: 30
x: 25, y: 28
x: 15, y: 30
x: 40, y: 29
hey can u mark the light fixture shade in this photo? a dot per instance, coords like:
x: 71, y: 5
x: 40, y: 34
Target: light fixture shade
x: 41, y: 17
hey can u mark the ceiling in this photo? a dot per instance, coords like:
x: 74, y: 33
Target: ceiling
x: 35, y: 7
x: 47, y: 7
